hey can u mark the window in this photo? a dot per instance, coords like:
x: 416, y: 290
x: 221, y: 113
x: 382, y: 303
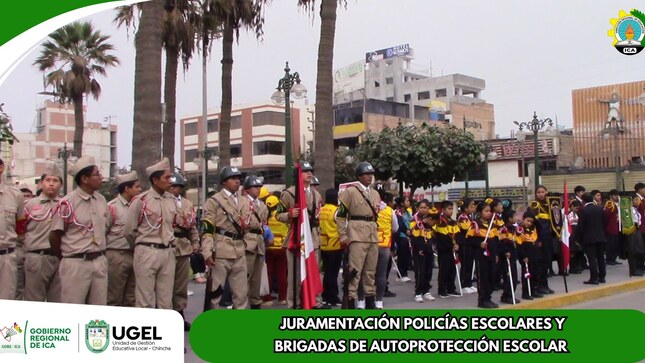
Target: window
x: 191, y: 154
x: 376, y: 84
x: 268, y: 118
x: 407, y: 98
x: 268, y: 148
x: 212, y: 125
x: 272, y: 176
x: 389, y: 80
x: 236, y: 122
x: 441, y: 93
x: 236, y: 150
x: 190, y: 129
x: 389, y: 99
x: 423, y: 95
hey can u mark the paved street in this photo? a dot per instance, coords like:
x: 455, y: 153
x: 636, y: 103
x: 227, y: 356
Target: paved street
x: 405, y: 296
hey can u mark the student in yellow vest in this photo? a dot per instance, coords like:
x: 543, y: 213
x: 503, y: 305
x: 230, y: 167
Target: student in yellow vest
x: 330, y: 249
x: 78, y: 232
x: 446, y: 241
x: 422, y: 239
x: 41, y: 272
x: 276, y: 255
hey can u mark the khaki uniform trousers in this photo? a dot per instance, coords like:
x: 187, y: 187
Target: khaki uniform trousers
x: 20, y: 271
x: 233, y: 270
x: 180, y: 286
x: 290, y: 258
x: 42, y: 282
x: 83, y: 281
x: 121, y: 281
x: 154, y: 270
x: 363, y: 257
x: 254, y: 264
x: 8, y: 276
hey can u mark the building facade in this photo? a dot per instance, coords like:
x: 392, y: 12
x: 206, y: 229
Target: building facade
x: 257, y: 140
x: 595, y: 143
x: 53, y: 130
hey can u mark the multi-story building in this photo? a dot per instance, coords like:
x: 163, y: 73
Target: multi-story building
x: 595, y: 142
x: 387, y: 87
x: 257, y: 140
x: 53, y: 130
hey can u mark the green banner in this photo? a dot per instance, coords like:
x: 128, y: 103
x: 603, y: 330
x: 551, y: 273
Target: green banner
x: 420, y: 336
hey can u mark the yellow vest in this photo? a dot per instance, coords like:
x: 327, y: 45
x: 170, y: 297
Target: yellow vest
x: 385, y: 227
x: 328, y: 228
x: 278, y: 229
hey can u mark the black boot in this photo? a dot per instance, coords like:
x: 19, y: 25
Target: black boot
x: 186, y: 324
x: 255, y: 307
x: 369, y: 303
x: 351, y: 304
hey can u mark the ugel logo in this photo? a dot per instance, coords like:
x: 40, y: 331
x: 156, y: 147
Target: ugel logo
x: 97, y: 336
x: 628, y: 31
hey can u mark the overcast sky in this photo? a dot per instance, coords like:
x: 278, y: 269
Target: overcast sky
x: 531, y: 54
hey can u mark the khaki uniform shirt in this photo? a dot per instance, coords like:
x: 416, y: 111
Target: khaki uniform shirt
x: 353, y: 204
x: 12, y: 210
x: 215, y: 220
x: 150, y: 218
x: 255, y: 241
x: 287, y: 201
x: 118, y: 212
x: 82, y: 218
x: 185, y: 224
x: 39, y: 212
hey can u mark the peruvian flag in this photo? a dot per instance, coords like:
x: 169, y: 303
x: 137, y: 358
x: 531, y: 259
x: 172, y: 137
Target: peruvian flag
x: 302, y: 244
x: 566, y: 230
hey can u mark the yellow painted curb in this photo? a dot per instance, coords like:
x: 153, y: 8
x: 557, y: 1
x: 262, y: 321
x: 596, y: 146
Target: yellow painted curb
x: 581, y: 296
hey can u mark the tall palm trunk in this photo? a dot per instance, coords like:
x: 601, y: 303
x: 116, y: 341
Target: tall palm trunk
x: 146, y: 135
x: 324, y: 150
x: 170, y: 91
x: 79, y: 125
x: 227, y: 96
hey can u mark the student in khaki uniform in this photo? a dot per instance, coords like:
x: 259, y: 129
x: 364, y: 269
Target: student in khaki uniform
x: 357, y: 228
x: 149, y: 227
x: 78, y: 234
x: 120, y: 253
x: 254, y: 239
x: 12, y: 220
x: 287, y: 212
x: 226, y: 219
x: 20, y: 249
x: 186, y: 243
x: 42, y: 282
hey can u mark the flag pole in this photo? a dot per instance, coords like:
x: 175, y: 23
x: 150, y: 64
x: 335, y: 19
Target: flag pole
x: 565, y: 259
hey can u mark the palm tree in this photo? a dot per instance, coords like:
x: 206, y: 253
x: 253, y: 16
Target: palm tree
x: 233, y: 14
x: 146, y: 135
x: 73, y: 55
x: 324, y: 154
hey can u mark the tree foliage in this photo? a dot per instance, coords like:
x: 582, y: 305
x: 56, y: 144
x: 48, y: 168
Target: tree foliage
x: 420, y: 156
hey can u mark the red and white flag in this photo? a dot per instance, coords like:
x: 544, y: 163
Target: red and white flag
x: 566, y: 229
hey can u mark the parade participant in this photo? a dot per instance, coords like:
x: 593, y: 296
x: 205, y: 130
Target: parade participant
x: 41, y: 273
x: 597, y: 197
x: 226, y: 219
x: 467, y: 253
x: 315, y: 182
x: 358, y: 230
x: 78, y: 232
x: 26, y: 192
x: 497, y: 207
x: 254, y: 239
x: 508, y: 257
x: 613, y: 227
x: 287, y: 211
x: 577, y: 257
x: 119, y: 252
x: 387, y: 224
x: 20, y: 249
x: 635, y: 248
x: 591, y: 234
x: 330, y: 249
x: 579, y: 190
x: 639, y: 188
x: 149, y: 228
x: 447, y: 247
x: 276, y: 255
x: 483, y: 236
x: 543, y: 225
x: 403, y: 252
x: 421, y: 237
x: 526, y: 238
x: 186, y: 243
